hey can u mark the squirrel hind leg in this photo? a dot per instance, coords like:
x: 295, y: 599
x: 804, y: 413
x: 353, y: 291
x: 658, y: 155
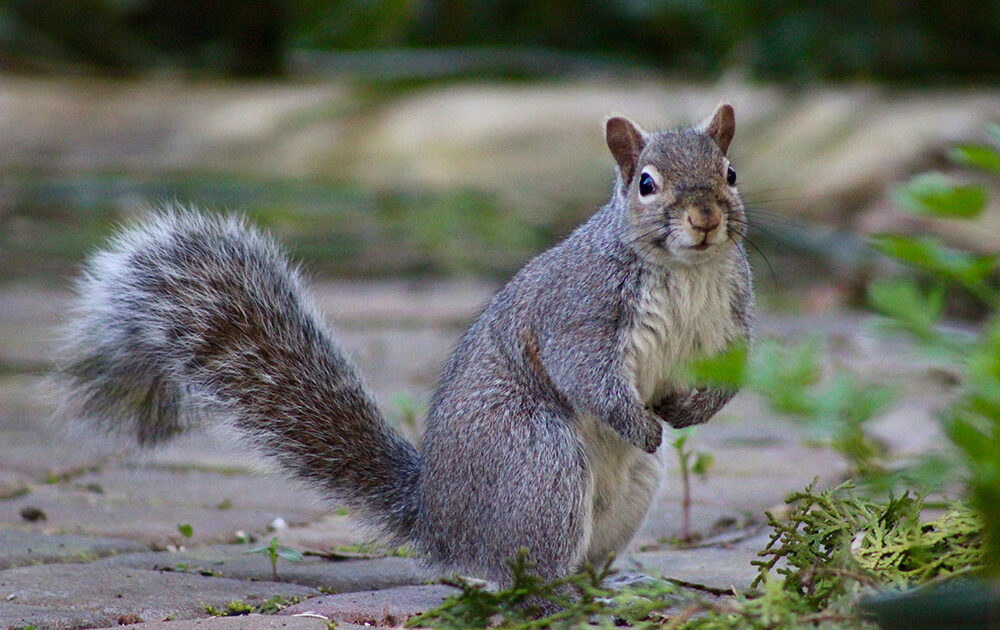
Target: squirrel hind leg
x: 531, y: 491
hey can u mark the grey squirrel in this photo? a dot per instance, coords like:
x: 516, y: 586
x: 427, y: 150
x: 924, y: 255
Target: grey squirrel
x: 542, y: 431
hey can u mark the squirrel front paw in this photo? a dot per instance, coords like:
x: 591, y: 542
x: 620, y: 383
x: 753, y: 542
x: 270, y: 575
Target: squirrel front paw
x: 640, y: 428
x: 652, y: 434
x: 694, y: 407
x: 670, y: 410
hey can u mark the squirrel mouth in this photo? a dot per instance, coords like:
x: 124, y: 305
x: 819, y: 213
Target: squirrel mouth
x: 702, y: 246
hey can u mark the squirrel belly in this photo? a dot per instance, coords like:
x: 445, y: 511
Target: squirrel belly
x: 543, y: 429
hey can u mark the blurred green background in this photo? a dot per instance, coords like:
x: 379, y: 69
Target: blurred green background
x: 459, y: 137
x: 781, y: 40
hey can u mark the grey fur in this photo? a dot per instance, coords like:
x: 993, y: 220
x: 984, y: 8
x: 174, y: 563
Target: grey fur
x: 189, y: 315
x: 540, y: 432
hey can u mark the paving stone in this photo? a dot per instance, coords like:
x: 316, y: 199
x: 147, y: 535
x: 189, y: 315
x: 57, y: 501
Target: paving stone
x: 912, y: 426
x: 29, y: 314
x: 211, y: 450
x: 712, y: 567
x: 390, y: 607
x: 399, y: 360
x: 326, y: 533
x: 25, y: 548
x: 48, y: 618
x: 114, y: 593
x: 232, y: 489
x: 410, y: 302
x: 13, y: 484
x: 242, y: 622
x: 232, y: 561
x: 147, y: 505
x: 43, y: 455
x: 35, y: 447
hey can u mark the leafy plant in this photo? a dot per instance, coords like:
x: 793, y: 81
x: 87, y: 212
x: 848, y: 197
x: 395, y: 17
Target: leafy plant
x: 273, y: 551
x: 936, y: 194
x: 275, y: 603
x: 232, y: 609
x: 835, y: 407
x: 532, y: 602
x: 973, y: 424
x: 836, y: 533
x: 237, y: 608
x: 972, y: 421
x: 691, y: 462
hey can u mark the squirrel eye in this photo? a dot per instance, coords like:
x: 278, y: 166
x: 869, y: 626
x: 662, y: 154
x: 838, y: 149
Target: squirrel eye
x: 646, y: 185
x: 731, y: 176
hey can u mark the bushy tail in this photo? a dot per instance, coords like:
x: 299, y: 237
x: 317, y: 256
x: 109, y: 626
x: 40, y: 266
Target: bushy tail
x: 186, y: 315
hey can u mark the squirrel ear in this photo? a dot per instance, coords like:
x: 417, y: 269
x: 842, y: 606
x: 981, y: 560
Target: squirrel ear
x: 626, y: 140
x: 721, y: 126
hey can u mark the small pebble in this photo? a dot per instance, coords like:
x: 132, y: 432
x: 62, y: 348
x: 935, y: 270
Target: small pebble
x: 33, y: 514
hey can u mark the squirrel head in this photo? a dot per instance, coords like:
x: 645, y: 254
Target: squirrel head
x: 677, y: 189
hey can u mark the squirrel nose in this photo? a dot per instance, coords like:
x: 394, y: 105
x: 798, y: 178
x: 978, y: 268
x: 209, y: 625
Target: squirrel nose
x: 703, y: 221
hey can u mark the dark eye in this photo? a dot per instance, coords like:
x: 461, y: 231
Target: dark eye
x: 646, y: 185
x: 731, y: 176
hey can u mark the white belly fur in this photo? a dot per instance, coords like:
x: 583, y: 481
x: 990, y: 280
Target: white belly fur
x: 621, y: 485
x: 681, y: 316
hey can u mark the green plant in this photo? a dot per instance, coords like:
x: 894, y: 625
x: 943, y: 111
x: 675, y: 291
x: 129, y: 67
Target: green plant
x: 915, y: 306
x: 232, y: 609
x: 368, y: 549
x: 273, y: 551
x: 836, y: 533
x: 835, y: 547
x: 973, y: 424
x: 276, y: 603
x: 690, y: 462
x: 836, y: 407
x: 532, y: 602
x: 267, y: 607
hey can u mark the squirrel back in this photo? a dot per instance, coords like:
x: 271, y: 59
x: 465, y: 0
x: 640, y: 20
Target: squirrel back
x: 542, y: 431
